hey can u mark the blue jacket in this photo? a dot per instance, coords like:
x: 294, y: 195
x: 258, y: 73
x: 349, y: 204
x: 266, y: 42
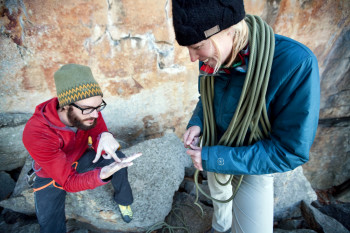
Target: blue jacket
x: 292, y: 101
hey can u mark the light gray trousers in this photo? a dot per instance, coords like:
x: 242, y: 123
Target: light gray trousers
x: 251, y: 211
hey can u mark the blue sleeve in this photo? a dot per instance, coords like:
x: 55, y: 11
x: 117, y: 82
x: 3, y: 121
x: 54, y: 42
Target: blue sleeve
x: 294, y: 120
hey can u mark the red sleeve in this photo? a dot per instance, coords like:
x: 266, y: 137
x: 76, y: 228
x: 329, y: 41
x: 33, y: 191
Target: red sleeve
x: 43, y: 145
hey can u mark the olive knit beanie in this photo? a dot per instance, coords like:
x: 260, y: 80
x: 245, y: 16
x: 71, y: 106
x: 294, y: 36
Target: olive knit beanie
x: 197, y: 20
x: 75, y: 82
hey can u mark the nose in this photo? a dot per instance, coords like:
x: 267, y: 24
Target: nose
x: 94, y: 114
x: 193, y: 55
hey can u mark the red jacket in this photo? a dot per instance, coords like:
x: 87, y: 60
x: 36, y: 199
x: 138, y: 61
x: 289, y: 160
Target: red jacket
x: 54, y: 147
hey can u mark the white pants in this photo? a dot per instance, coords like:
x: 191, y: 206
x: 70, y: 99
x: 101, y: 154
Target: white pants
x: 251, y: 211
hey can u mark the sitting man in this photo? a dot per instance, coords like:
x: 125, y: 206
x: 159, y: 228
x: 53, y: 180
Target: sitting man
x: 62, y: 137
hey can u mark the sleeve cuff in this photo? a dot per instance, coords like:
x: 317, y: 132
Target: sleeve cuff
x: 205, y: 156
x: 99, y: 136
x: 104, y: 181
x: 107, y: 180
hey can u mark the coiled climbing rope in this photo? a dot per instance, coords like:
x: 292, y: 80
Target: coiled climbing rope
x: 250, y: 122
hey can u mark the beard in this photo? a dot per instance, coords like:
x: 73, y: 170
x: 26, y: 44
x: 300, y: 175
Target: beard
x: 78, y: 123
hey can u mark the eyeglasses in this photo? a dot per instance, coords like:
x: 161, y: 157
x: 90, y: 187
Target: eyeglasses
x: 86, y: 111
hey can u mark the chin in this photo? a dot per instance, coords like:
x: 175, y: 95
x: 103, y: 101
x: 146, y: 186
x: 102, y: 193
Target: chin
x: 89, y: 124
x: 86, y: 126
x: 212, y: 64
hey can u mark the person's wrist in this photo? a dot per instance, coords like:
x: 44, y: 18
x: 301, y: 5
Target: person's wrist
x: 103, y: 176
x: 107, y: 179
x: 108, y: 133
x: 100, y: 135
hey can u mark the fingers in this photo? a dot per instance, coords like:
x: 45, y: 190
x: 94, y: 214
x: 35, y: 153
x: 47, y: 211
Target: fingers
x: 196, y: 158
x: 131, y: 158
x: 195, y: 141
x: 190, y: 138
x: 117, y: 166
x: 98, y: 154
x: 118, y: 145
x: 199, y: 167
x: 185, y: 137
x: 191, y: 135
x: 106, y: 156
x: 109, y: 170
x: 194, y: 147
x: 113, y: 155
x: 114, y: 167
x: 109, y: 145
x: 122, y: 165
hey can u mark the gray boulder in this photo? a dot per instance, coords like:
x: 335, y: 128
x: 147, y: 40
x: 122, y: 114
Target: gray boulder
x: 154, y: 178
x: 329, y: 164
x: 277, y: 230
x: 290, y: 188
x: 13, y: 119
x: 319, y: 221
x: 340, y: 212
x: 344, y: 196
x: 12, y: 152
x: 16, y: 228
x: 22, y: 179
x: 7, y: 185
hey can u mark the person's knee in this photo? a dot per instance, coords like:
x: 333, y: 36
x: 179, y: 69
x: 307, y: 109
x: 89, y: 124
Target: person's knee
x: 51, y: 219
x: 52, y: 225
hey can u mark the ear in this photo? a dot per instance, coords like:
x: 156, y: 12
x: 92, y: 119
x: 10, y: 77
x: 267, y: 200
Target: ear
x: 64, y: 108
x: 231, y: 32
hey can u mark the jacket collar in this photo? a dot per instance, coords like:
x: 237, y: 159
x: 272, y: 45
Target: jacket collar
x: 48, y: 112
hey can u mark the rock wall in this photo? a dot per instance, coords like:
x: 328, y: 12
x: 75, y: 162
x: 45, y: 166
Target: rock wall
x: 147, y: 79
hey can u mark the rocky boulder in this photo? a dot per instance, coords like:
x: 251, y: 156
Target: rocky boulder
x: 290, y: 188
x: 7, y: 185
x: 319, y: 221
x: 12, y: 152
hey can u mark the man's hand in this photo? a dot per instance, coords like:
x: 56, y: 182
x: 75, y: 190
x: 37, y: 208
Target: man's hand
x: 109, y: 145
x: 191, y: 136
x: 109, y: 170
x: 196, y: 155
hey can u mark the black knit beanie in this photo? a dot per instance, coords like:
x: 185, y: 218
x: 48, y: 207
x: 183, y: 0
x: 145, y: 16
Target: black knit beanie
x: 197, y: 20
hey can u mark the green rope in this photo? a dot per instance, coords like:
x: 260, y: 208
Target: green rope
x: 251, y: 113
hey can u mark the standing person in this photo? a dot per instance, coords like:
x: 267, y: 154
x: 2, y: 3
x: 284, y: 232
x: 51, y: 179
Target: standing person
x: 258, y: 108
x: 66, y: 137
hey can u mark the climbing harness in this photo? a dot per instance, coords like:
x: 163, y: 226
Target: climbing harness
x: 249, y: 122
x: 30, y: 177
